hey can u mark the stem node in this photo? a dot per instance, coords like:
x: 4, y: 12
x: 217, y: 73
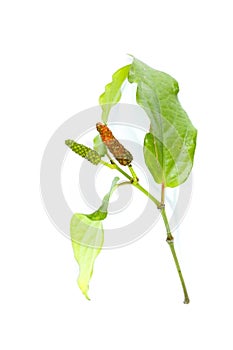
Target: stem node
x: 170, y: 239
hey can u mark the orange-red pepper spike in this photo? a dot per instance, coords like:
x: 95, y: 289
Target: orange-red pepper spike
x: 122, y: 155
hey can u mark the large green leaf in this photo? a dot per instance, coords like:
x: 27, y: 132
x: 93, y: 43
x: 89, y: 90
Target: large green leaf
x: 170, y: 147
x: 87, y: 237
x: 112, y: 93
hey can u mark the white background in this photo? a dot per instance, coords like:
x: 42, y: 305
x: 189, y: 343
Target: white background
x: 56, y: 57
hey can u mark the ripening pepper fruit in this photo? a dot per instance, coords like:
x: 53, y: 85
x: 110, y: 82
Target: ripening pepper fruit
x: 122, y: 155
x: 84, y: 151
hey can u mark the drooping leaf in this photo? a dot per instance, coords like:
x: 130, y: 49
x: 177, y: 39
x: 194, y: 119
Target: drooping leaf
x: 87, y: 237
x: 90, y: 235
x: 174, y: 137
x: 99, y: 146
x: 112, y: 93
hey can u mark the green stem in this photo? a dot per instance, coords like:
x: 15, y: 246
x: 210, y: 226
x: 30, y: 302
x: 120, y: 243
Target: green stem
x: 163, y: 194
x: 124, y: 183
x: 139, y: 187
x: 161, y: 206
x: 170, y: 242
x: 134, y: 175
x: 111, y: 166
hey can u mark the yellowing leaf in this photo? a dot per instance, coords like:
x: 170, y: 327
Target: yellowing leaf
x: 87, y: 237
x: 87, y: 240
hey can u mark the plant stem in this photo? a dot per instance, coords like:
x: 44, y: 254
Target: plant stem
x: 135, y: 178
x: 111, y: 166
x: 161, y: 206
x: 124, y: 183
x: 139, y: 187
x: 170, y: 242
x: 163, y: 194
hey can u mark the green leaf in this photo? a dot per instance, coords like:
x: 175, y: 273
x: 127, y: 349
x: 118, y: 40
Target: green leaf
x: 153, y: 158
x: 90, y: 237
x: 102, y: 212
x: 170, y: 147
x: 99, y: 146
x: 87, y: 237
x: 112, y: 93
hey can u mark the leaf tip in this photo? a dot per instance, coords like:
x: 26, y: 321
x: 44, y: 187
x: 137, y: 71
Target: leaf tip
x: 87, y: 297
x: 130, y: 55
x: 84, y: 289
